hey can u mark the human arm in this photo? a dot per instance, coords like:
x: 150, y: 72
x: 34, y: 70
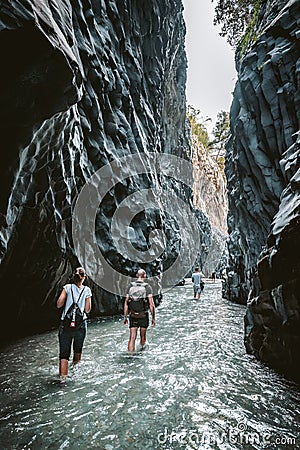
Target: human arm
x: 152, y: 309
x: 88, y: 305
x: 126, y: 309
x: 61, y: 299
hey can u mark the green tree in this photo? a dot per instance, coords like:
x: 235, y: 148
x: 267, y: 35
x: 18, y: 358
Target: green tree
x: 234, y: 16
x: 198, y: 125
x: 220, y: 134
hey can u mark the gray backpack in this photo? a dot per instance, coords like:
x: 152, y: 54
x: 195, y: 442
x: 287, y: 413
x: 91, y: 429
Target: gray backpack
x: 138, y: 302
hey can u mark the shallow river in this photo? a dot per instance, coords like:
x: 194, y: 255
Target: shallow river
x: 193, y: 387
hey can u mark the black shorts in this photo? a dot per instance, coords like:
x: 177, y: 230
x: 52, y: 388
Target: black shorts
x: 143, y: 322
x: 67, y: 337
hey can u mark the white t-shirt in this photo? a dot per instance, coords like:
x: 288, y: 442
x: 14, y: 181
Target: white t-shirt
x: 197, y: 278
x: 83, y: 292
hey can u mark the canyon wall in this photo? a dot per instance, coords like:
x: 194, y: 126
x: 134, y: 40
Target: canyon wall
x: 263, y: 161
x: 210, y: 196
x: 84, y: 85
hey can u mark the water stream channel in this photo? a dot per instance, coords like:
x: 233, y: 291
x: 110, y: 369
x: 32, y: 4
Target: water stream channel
x: 193, y: 387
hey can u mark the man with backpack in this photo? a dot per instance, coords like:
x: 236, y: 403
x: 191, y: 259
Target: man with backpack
x: 138, y: 301
x: 76, y: 299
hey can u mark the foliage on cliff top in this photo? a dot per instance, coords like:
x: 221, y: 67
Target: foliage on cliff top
x: 220, y: 134
x: 234, y: 16
x: 198, y: 127
x: 216, y: 146
x: 249, y: 35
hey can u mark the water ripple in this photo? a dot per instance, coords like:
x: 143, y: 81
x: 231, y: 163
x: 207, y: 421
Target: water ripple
x: 193, y: 388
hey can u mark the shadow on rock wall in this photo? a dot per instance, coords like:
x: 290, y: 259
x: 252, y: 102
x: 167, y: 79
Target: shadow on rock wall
x: 262, y: 169
x: 85, y: 84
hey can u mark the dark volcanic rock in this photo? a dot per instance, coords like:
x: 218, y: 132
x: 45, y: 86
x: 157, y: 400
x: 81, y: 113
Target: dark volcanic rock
x: 84, y: 84
x: 272, y: 322
x: 263, y: 182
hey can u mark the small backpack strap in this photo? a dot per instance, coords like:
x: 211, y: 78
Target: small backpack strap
x: 76, y: 303
x: 78, y: 296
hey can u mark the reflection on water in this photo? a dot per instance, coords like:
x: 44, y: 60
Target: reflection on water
x: 192, y: 388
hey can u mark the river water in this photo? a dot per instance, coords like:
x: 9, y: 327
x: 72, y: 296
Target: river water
x: 193, y: 387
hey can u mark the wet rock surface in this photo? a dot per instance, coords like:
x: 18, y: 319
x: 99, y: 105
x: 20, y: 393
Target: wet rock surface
x: 86, y: 83
x: 263, y: 161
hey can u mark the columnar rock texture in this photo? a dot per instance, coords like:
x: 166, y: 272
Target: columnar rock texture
x: 210, y: 196
x: 83, y: 83
x: 263, y: 161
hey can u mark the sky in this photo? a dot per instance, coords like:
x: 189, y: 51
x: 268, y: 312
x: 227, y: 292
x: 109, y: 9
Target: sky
x: 211, y: 73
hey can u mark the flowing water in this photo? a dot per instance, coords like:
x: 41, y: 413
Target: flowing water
x: 193, y: 387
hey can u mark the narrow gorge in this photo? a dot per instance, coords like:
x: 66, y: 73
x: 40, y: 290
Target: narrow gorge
x: 88, y: 85
x: 210, y: 197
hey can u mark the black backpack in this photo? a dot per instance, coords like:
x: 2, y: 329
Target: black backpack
x: 138, y: 302
x: 74, y: 316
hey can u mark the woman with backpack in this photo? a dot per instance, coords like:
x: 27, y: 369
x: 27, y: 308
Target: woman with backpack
x: 76, y: 300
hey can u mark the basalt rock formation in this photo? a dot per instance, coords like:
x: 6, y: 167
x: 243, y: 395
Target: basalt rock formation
x: 84, y: 83
x: 263, y: 173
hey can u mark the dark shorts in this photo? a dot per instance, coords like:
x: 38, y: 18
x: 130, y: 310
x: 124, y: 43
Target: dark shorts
x: 197, y: 289
x: 139, y: 323
x: 67, y: 337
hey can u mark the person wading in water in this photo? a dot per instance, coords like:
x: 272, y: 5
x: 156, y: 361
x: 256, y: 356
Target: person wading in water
x: 198, y: 284
x: 138, y: 301
x: 76, y: 299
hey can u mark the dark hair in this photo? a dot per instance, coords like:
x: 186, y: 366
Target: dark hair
x: 80, y: 270
x: 74, y: 276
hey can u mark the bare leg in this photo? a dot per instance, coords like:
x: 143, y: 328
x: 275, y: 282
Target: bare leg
x: 63, y: 368
x: 143, y: 332
x: 132, y: 338
x: 76, y: 358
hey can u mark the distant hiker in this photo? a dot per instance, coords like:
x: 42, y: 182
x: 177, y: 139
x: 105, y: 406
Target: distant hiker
x: 138, y: 301
x: 198, y: 284
x: 76, y: 299
x: 213, y: 276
